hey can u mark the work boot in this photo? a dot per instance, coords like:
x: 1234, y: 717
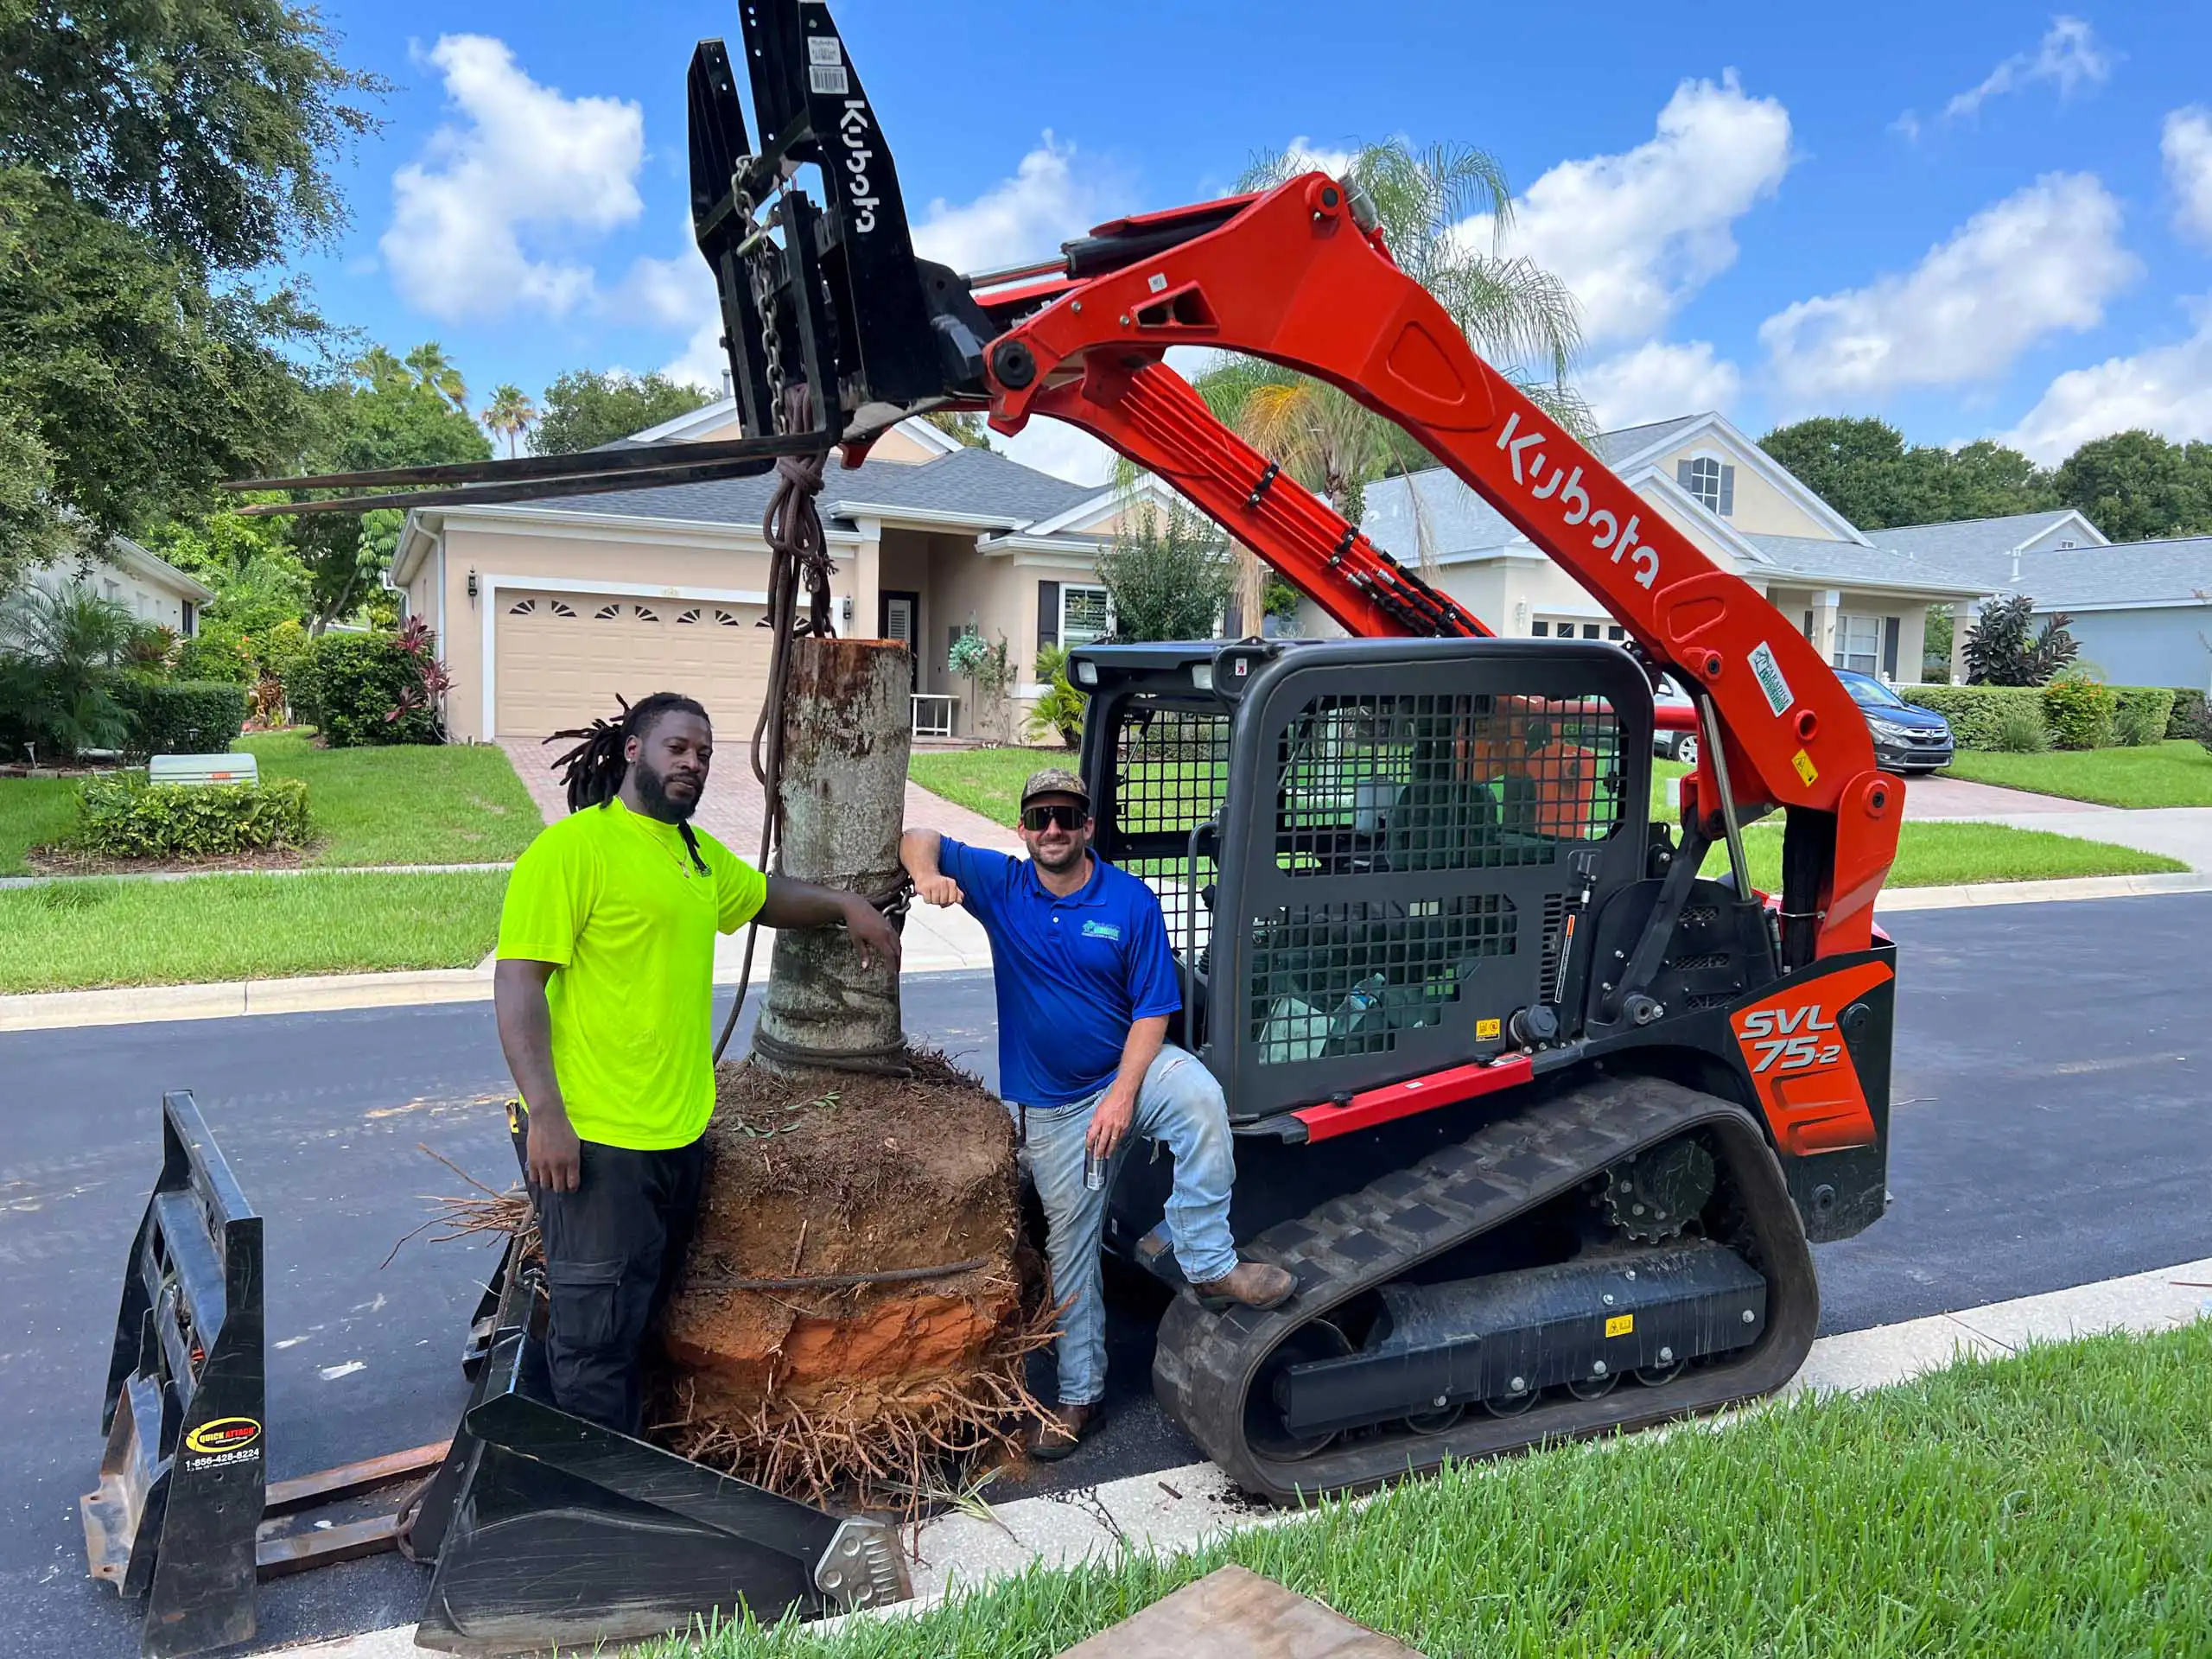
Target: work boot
x: 1250, y: 1284
x: 1061, y: 1429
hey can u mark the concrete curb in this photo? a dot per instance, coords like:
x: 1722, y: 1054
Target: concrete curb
x: 2043, y: 893
x: 1172, y: 1511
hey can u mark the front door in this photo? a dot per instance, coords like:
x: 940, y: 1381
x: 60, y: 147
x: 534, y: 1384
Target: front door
x: 900, y: 613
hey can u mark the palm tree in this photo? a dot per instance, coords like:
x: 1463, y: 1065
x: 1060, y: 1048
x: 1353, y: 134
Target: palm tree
x: 381, y: 369
x: 436, y: 371
x: 1518, y: 316
x: 511, y: 414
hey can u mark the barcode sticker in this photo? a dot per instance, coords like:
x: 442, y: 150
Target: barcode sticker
x: 828, y: 77
x: 1768, y: 673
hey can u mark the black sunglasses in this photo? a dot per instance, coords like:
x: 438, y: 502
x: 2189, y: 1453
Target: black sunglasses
x: 1038, y: 819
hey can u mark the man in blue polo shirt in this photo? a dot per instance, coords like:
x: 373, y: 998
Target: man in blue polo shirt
x: 1086, y: 982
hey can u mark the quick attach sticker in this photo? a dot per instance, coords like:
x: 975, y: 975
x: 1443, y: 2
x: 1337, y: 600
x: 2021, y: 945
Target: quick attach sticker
x: 1768, y: 673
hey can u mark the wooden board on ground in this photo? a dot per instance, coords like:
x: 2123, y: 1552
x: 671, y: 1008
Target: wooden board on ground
x: 1236, y: 1614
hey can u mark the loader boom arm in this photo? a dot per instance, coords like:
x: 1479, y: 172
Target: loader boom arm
x: 1292, y: 276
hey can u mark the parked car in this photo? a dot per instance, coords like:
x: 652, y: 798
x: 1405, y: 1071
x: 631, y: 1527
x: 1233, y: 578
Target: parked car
x: 1907, y: 738
x: 1673, y: 746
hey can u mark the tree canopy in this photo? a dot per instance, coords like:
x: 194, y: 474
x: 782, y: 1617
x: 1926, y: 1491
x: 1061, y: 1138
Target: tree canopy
x: 584, y: 409
x: 2134, y: 485
x: 1864, y: 468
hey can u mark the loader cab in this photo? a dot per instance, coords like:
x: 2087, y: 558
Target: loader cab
x: 1367, y: 850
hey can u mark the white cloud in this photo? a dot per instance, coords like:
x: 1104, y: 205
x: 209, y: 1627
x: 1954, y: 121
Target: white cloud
x: 525, y: 163
x: 1053, y: 196
x: 2167, y: 389
x: 2067, y: 55
x: 1635, y: 235
x: 1065, y: 451
x: 1302, y: 154
x: 2044, y: 260
x: 1658, y: 382
x: 2187, y: 144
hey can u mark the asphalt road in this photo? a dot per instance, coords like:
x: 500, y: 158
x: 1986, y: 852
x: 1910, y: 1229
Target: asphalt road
x: 2050, y: 1084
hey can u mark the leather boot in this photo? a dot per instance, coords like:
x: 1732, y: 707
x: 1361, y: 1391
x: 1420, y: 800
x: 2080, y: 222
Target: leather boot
x: 1249, y: 1284
x: 1061, y: 1430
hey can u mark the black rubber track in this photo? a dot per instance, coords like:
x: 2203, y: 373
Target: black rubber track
x: 1203, y: 1368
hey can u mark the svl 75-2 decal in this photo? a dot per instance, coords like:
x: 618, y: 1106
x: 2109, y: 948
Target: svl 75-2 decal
x: 1794, y: 1048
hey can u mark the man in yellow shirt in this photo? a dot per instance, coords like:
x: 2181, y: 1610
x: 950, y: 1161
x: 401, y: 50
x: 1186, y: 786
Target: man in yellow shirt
x: 604, y: 993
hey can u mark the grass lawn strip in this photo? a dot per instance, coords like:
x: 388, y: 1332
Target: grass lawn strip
x: 457, y: 803
x: 988, y: 781
x: 33, y: 811
x: 84, y: 935
x: 2175, y: 773
x: 2052, y: 1503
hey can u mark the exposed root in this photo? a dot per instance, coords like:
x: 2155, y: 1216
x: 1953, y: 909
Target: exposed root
x: 470, y: 1215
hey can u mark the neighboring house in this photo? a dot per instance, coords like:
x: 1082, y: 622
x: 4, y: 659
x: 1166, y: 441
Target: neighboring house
x: 1865, y: 607
x: 151, y: 588
x: 546, y: 611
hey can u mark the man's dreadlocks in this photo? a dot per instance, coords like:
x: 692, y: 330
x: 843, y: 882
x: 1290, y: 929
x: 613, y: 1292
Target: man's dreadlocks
x: 594, y: 770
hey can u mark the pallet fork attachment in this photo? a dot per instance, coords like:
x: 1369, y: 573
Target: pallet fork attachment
x: 544, y: 1528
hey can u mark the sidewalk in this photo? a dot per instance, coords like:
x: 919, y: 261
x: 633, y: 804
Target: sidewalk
x: 2182, y: 832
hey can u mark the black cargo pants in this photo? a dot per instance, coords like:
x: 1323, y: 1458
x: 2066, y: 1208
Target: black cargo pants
x: 613, y: 1248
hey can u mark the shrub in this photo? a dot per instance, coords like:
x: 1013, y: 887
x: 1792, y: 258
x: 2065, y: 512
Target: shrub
x: 1974, y: 711
x: 2140, y: 714
x: 1058, y: 713
x: 62, y: 649
x: 2004, y: 647
x: 2187, y: 715
x: 2079, y: 714
x: 363, y: 689
x: 2020, y: 730
x: 123, y: 815
x: 215, y: 657
x: 181, y: 716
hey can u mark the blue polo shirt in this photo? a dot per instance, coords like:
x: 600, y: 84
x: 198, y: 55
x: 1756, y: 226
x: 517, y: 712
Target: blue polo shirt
x: 1073, y: 974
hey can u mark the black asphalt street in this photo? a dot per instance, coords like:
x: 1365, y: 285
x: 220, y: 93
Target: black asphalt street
x: 2051, y: 1088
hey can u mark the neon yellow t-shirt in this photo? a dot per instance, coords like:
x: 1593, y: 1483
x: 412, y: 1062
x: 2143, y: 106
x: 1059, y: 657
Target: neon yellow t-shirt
x: 611, y: 898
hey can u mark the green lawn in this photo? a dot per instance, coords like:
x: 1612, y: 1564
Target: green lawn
x: 32, y: 810
x: 1929, y: 855
x: 2176, y: 773
x: 78, y: 935
x: 413, y: 804
x: 2052, y: 1503
x: 458, y: 804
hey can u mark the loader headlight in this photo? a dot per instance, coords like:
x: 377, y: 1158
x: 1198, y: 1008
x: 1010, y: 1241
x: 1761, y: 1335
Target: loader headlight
x: 1086, y: 673
x: 1202, y: 676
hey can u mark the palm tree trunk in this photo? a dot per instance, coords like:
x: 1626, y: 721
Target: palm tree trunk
x: 1251, y: 591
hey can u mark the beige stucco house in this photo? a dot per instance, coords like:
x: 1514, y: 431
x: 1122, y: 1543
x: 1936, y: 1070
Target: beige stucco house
x: 546, y: 611
x: 1865, y: 606
x: 151, y: 588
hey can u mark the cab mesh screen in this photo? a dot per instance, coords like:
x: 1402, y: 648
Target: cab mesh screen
x: 1170, y: 773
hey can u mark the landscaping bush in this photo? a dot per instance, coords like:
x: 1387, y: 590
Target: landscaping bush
x: 2188, y: 714
x: 1058, y: 713
x: 2020, y: 730
x: 207, y: 657
x: 2079, y: 714
x: 2140, y: 715
x: 123, y: 815
x: 1976, y: 712
x: 180, y: 717
x: 363, y: 689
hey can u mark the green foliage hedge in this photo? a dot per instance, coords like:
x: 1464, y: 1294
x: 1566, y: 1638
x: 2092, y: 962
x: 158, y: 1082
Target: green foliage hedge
x: 123, y: 815
x: 1975, y: 712
x: 181, y: 716
x: 355, y: 688
x: 2187, y: 716
x: 2079, y: 714
x: 2140, y: 714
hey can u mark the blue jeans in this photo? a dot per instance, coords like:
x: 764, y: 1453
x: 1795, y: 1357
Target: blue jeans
x: 1179, y: 1103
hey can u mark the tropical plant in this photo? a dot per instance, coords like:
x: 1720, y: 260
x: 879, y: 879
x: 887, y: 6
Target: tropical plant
x: 1166, y: 575
x: 510, y: 414
x: 62, y: 653
x: 1058, y: 713
x: 438, y: 372
x: 2004, y: 647
x: 964, y: 424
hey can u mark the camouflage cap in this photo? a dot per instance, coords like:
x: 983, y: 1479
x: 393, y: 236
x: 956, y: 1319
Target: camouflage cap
x: 1054, y: 780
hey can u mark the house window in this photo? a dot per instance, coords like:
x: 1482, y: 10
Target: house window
x: 188, y: 623
x: 1858, y: 643
x: 1540, y: 629
x: 1616, y: 633
x: 1711, y: 481
x: 1084, y: 615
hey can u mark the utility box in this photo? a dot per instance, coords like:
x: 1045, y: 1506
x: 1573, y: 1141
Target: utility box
x: 203, y: 769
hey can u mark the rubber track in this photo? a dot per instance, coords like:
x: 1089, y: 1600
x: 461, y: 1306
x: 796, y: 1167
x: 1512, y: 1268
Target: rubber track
x: 1205, y: 1364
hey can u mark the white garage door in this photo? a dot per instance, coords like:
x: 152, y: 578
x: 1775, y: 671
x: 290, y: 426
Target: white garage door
x: 562, y: 658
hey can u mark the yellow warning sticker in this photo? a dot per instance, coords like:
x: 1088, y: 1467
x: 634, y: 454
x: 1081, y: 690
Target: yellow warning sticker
x: 1806, y: 769
x: 1620, y: 1324
x: 1486, y: 1029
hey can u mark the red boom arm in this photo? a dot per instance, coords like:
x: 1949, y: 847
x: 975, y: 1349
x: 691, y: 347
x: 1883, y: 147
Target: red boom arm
x: 1293, y: 279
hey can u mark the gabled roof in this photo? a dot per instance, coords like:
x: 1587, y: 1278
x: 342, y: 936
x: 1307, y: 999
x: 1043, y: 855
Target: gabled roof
x: 1433, y: 504
x: 127, y: 555
x: 1625, y: 443
x: 1984, y: 547
x: 2122, y: 573
x: 1848, y: 564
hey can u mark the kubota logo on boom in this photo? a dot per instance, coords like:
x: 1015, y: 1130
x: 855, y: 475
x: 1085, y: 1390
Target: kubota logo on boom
x: 853, y: 128
x: 1606, y: 531
x: 1788, y: 1039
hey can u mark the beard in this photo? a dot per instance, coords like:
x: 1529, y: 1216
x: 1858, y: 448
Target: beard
x: 1070, y: 860
x: 653, y: 793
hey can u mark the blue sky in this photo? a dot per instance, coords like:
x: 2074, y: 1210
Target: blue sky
x: 1973, y: 220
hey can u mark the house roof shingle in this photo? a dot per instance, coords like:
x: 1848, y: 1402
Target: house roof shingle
x: 1616, y: 447
x: 1847, y: 561
x: 2125, y: 572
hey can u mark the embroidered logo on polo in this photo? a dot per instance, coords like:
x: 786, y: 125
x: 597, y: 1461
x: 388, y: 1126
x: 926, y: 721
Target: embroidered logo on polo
x: 1101, y: 931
